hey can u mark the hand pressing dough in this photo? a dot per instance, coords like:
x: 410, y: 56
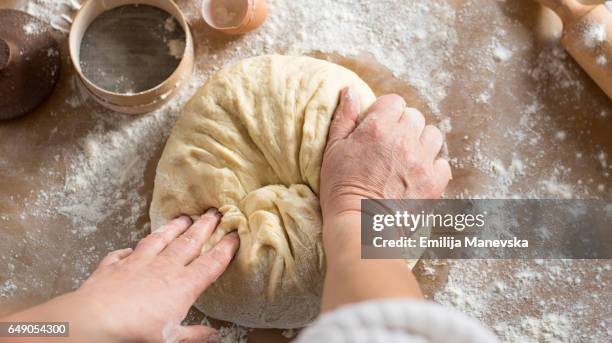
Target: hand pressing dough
x: 250, y: 143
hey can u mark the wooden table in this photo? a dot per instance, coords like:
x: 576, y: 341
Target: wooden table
x: 76, y: 179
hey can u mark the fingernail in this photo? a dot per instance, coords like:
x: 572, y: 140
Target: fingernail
x: 234, y: 234
x: 214, y: 338
x: 348, y: 95
x: 213, y: 212
x: 185, y: 219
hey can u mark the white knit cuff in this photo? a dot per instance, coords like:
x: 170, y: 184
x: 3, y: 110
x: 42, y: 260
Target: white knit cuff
x: 395, y: 321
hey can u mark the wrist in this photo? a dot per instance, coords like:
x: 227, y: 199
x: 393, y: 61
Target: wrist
x: 87, y: 319
x: 342, y: 235
x: 340, y: 206
x: 72, y: 308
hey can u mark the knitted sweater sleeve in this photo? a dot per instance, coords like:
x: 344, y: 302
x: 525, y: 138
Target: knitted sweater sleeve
x: 395, y: 321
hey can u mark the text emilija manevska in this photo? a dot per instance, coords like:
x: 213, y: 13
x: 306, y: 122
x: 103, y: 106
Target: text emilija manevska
x: 403, y: 220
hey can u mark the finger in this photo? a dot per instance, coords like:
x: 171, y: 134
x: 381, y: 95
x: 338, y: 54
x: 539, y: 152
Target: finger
x: 432, y: 140
x: 443, y: 171
x: 188, y: 246
x: 115, y: 256
x: 199, y: 334
x: 443, y: 175
x: 345, y: 117
x: 387, y: 108
x: 154, y: 243
x: 209, y: 266
x: 414, y: 119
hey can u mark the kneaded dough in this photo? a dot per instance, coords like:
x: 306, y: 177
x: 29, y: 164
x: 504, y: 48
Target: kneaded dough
x: 250, y: 142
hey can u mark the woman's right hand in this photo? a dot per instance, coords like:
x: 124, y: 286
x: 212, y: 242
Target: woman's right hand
x: 390, y: 154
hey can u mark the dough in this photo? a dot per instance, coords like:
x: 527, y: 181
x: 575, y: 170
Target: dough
x: 250, y: 143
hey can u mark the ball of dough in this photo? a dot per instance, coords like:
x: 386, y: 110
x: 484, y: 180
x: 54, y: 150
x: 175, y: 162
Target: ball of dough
x: 250, y: 142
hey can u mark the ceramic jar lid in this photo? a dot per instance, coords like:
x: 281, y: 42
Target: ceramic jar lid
x: 30, y: 63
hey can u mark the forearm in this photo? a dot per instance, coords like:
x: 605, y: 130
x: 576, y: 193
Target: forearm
x: 83, y: 327
x: 350, y: 279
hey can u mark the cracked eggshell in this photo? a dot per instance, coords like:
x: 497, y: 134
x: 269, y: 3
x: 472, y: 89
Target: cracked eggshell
x: 234, y: 17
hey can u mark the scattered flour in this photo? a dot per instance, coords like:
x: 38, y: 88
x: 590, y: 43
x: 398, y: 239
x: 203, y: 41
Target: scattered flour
x: 501, y: 53
x: 8, y: 289
x: 289, y: 333
x: 234, y: 334
x: 102, y: 178
x: 445, y: 125
x: 171, y: 333
x: 33, y: 28
x: 473, y: 288
x: 602, y: 60
x: 551, y: 328
x: 561, y: 135
x: 90, y: 193
x: 557, y: 189
x: 595, y: 35
x: 398, y: 42
x: 176, y: 48
x: 53, y: 11
x: 105, y: 169
x: 555, y: 65
x: 170, y: 24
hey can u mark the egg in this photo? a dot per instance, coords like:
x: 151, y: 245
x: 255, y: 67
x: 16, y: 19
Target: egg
x: 234, y: 17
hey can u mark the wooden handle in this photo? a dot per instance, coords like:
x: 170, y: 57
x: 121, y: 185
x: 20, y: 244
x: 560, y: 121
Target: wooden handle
x: 589, y: 41
x: 5, y: 54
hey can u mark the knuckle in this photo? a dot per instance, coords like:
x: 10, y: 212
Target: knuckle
x: 396, y: 99
x: 154, y: 239
x: 415, y: 118
x: 401, y: 143
x: 415, y: 163
x: 112, y: 254
x: 142, y: 243
x: 188, y: 240
x: 413, y: 113
x: 218, y: 258
x: 187, y: 244
x: 111, y: 257
x: 418, y: 169
x: 177, y: 224
x: 172, y: 226
x: 376, y: 130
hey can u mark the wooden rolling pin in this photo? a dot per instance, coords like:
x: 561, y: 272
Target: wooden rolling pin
x: 587, y: 36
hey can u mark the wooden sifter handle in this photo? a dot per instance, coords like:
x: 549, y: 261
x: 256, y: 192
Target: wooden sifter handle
x: 587, y: 36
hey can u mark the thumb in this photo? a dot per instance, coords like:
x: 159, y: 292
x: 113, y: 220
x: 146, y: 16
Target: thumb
x: 199, y: 334
x: 345, y: 117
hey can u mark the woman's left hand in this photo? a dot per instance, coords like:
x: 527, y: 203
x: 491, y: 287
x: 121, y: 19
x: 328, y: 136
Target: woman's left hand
x: 144, y: 294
